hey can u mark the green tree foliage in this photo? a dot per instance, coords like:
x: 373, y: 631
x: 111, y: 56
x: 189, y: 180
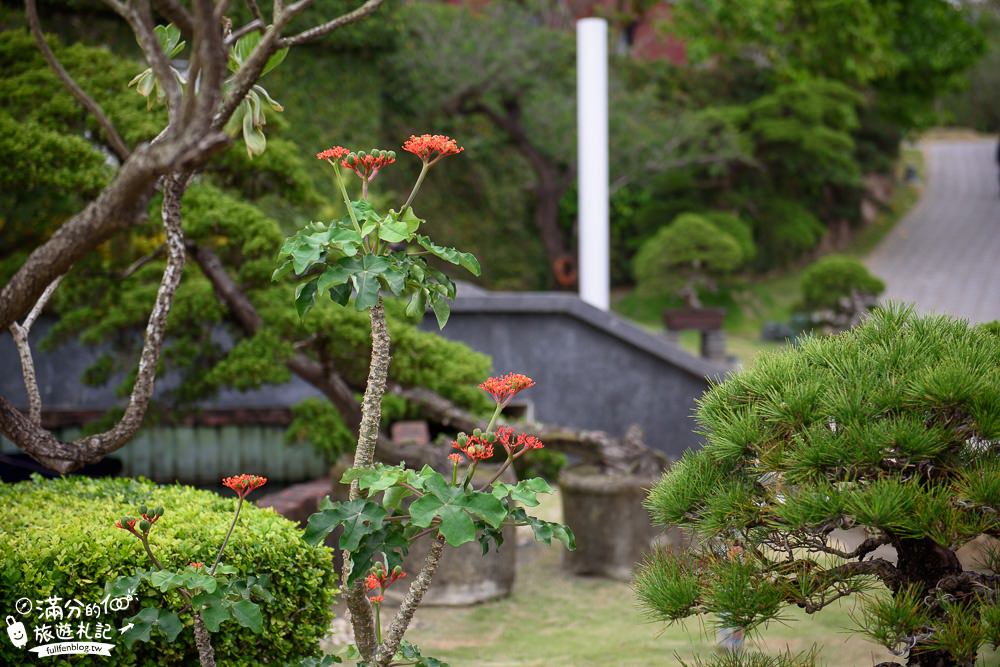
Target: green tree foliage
x: 836, y: 277
x: 59, y: 539
x: 890, y: 427
x: 692, y: 251
x: 821, y: 91
x: 977, y: 104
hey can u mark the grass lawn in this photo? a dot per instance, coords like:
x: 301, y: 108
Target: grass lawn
x: 554, y: 619
x: 769, y: 299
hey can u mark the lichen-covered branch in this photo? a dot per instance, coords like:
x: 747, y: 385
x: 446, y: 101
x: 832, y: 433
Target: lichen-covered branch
x: 20, y: 332
x: 65, y: 457
x: 206, y: 654
x: 414, y: 596
x: 364, y: 456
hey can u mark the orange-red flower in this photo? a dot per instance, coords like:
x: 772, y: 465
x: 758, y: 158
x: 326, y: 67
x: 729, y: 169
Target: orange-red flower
x: 380, y: 579
x: 196, y: 564
x: 505, y: 387
x: 367, y: 165
x: 476, y: 447
x: 519, y: 444
x: 432, y: 147
x: 244, y: 484
x: 126, y: 523
x: 334, y: 153
x: 455, y: 458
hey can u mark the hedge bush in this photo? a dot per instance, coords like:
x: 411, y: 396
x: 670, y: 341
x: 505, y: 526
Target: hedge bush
x: 58, y: 538
x: 835, y: 277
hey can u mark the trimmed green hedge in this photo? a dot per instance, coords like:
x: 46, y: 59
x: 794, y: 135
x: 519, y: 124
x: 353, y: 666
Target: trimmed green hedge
x: 58, y: 538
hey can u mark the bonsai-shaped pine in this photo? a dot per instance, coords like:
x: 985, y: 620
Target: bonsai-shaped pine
x: 693, y: 251
x: 891, y: 428
x: 837, y: 291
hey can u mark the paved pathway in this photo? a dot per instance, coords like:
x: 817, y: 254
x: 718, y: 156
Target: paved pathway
x: 944, y: 256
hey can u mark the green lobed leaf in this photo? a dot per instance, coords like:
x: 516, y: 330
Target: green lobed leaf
x: 442, y: 310
x: 305, y: 297
x: 466, y: 260
x: 358, y: 517
x: 366, y: 281
x: 248, y: 615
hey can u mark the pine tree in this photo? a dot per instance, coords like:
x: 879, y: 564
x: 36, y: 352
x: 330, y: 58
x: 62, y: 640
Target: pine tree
x: 893, y: 427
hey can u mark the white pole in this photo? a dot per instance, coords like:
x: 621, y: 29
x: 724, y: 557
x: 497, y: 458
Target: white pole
x: 592, y: 158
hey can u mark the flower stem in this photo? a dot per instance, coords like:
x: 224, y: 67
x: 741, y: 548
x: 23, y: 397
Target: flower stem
x: 343, y: 192
x: 493, y: 419
x: 416, y: 187
x: 469, y: 475
x: 503, y: 469
x: 378, y: 622
x: 218, y: 556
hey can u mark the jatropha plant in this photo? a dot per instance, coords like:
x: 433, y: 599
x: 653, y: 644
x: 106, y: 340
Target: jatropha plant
x: 212, y: 594
x: 365, y: 255
x: 892, y: 429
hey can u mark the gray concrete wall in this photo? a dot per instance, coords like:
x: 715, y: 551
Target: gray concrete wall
x: 594, y: 370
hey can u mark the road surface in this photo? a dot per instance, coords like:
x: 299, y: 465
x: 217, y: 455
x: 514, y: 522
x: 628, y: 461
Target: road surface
x: 944, y: 256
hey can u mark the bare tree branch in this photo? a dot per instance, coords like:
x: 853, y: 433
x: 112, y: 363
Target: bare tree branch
x: 115, y: 141
x: 326, y: 28
x: 65, y: 457
x: 234, y: 36
x: 255, y: 11
x: 141, y: 262
x: 20, y: 332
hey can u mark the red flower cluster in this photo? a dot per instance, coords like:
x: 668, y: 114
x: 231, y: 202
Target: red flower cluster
x: 432, y: 147
x: 244, y: 484
x: 126, y: 523
x: 334, y: 153
x: 379, y: 579
x: 505, y: 387
x: 476, y: 446
x: 366, y: 165
x: 455, y: 458
x: 140, y: 526
x: 196, y: 565
x: 518, y: 445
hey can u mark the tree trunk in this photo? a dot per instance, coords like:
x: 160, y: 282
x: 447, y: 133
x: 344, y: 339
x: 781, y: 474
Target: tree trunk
x: 206, y: 654
x: 364, y: 456
x: 925, y: 563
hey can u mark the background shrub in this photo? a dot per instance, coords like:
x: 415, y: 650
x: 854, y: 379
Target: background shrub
x: 834, y: 277
x: 58, y: 538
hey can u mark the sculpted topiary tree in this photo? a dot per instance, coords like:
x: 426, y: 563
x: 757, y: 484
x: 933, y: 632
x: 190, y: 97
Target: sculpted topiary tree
x: 891, y: 427
x: 837, y: 291
x: 691, y: 252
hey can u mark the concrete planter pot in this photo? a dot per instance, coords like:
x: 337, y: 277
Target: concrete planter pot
x: 613, y: 530
x: 699, y: 319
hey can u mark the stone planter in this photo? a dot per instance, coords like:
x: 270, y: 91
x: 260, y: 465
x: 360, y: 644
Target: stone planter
x: 699, y: 319
x: 613, y: 530
x: 464, y: 576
